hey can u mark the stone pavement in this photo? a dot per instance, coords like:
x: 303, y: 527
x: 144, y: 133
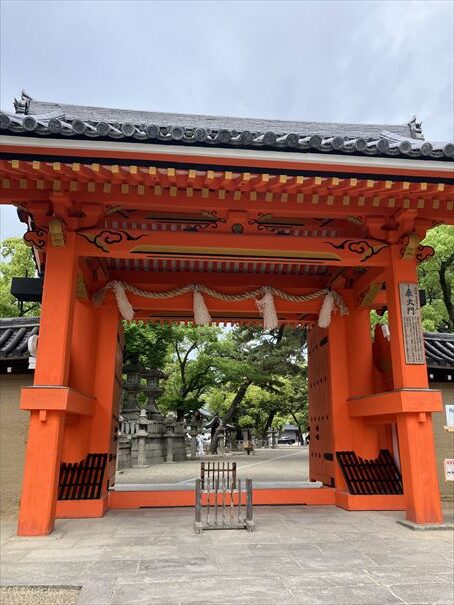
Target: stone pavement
x: 286, y: 463
x: 298, y: 554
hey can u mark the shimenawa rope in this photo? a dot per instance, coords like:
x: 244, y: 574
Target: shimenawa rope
x: 263, y: 297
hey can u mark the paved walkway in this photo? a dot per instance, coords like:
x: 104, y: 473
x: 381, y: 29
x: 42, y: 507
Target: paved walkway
x: 286, y: 463
x: 297, y: 555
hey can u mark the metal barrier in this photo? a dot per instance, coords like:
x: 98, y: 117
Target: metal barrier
x: 221, y: 503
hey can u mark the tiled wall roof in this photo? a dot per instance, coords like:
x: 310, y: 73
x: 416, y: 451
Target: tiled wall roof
x: 439, y: 350
x: 14, y: 335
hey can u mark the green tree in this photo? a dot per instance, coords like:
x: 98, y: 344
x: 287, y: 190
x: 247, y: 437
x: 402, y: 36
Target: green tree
x: 436, y: 277
x: 193, y: 367
x: 254, y: 365
x: 16, y: 261
x: 147, y: 343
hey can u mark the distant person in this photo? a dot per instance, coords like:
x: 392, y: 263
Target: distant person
x: 248, y: 444
x: 200, y: 445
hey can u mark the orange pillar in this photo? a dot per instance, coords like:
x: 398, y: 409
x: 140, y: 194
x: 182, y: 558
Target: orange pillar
x: 361, y: 378
x: 416, y: 442
x: 107, y: 388
x: 342, y: 426
x: 81, y: 378
x: 45, y: 437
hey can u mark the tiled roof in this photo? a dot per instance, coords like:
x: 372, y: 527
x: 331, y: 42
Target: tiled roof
x: 439, y: 350
x: 75, y: 121
x: 14, y: 335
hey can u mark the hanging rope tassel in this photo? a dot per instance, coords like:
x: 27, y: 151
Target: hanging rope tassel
x: 324, y: 317
x: 202, y: 316
x: 124, y: 306
x: 268, y: 311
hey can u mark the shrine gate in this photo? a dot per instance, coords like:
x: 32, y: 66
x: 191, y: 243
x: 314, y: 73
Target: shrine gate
x: 155, y: 211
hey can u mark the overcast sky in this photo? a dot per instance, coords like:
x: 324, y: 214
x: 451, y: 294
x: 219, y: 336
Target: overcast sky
x: 378, y: 62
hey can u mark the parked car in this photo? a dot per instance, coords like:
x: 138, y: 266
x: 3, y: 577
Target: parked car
x: 286, y: 440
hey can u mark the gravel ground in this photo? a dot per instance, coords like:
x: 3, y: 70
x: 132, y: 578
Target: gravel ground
x: 38, y: 595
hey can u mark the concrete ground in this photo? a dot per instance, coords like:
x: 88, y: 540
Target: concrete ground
x: 298, y: 554
x: 286, y: 463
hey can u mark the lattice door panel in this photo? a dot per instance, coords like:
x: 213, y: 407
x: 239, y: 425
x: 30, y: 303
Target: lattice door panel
x: 320, y: 407
x: 376, y: 476
x: 82, y: 480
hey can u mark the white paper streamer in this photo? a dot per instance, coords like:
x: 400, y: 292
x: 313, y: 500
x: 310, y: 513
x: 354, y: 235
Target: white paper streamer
x: 324, y: 317
x: 268, y: 311
x: 124, y: 306
x: 202, y: 316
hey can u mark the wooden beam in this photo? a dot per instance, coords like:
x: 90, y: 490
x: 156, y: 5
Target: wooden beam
x: 118, y: 243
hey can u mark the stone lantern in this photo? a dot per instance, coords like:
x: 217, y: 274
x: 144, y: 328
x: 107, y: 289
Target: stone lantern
x: 131, y: 388
x: 152, y: 390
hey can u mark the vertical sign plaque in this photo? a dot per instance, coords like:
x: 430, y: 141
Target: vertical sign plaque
x: 411, y: 323
x: 448, y: 464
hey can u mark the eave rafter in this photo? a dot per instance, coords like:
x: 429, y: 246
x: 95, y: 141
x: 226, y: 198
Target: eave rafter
x: 94, y: 177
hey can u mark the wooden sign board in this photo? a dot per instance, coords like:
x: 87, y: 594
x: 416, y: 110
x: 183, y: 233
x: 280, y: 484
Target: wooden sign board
x: 449, y: 410
x: 411, y: 323
x: 449, y: 469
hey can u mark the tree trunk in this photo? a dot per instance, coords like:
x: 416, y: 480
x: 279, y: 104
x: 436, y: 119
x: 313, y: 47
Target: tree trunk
x: 300, y: 430
x: 268, y: 423
x: 230, y: 413
x: 236, y: 401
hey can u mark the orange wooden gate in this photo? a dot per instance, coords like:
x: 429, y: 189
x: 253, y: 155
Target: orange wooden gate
x: 321, y: 454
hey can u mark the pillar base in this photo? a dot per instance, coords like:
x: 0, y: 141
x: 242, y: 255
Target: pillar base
x: 81, y: 509
x: 372, y: 502
x: 426, y: 526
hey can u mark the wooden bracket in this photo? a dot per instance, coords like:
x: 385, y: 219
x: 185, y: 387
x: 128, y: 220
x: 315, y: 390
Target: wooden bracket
x: 370, y: 294
x: 56, y: 233
x: 81, y: 288
x: 409, y: 243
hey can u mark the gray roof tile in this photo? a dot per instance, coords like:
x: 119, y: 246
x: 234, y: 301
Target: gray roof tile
x: 63, y: 120
x: 439, y: 350
x: 14, y: 335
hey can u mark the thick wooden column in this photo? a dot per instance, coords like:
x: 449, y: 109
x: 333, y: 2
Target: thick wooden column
x: 416, y: 442
x: 107, y: 388
x: 341, y: 424
x: 81, y: 378
x: 361, y: 378
x: 45, y: 437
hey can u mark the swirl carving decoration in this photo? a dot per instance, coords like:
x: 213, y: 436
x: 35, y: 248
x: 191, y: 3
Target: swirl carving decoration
x: 265, y: 222
x: 212, y: 220
x: 362, y: 247
x: 36, y: 238
x: 106, y: 238
x: 423, y: 253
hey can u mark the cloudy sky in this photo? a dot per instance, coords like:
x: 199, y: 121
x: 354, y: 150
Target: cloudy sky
x: 327, y: 61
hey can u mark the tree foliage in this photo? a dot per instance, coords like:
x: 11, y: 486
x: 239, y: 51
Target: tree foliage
x: 147, y: 343
x: 16, y: 261
x: 192, y: 366
x: 436, y: 277
x: 262, y: 381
